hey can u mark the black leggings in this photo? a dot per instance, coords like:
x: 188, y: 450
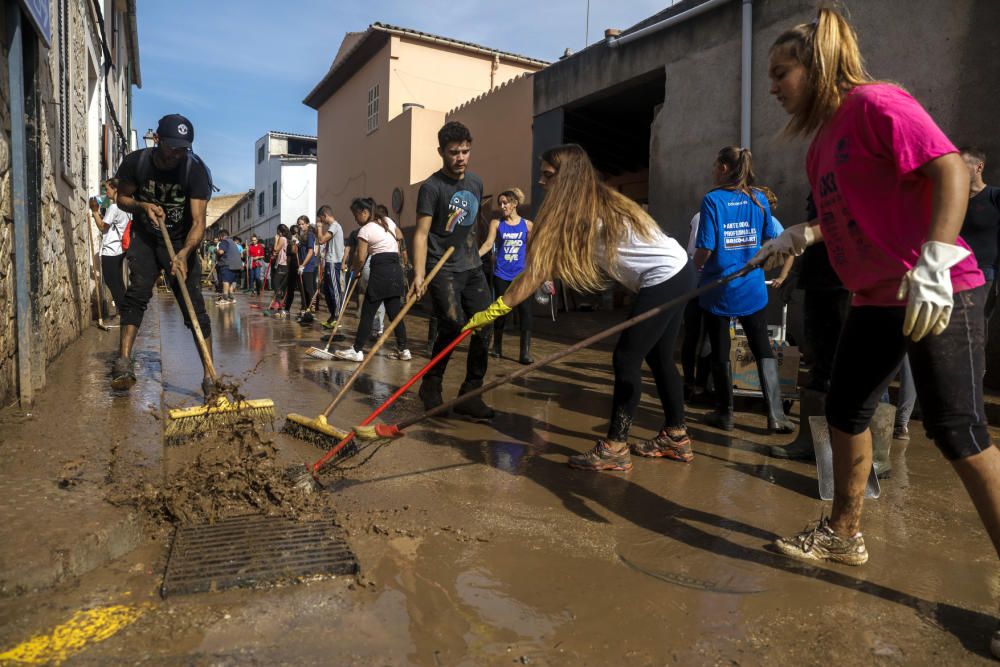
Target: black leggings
x: 653, y: 340
x: 755, y: 328
x: 947, y: 370
x: 368, y: 309
x: 147, y: 256
x: 111, y: 268
x: 279, y: 281
x: 694, y: 330
x: 306, y: 282
x: 523, y: 309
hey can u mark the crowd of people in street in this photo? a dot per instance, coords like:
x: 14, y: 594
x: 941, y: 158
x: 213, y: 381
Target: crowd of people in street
x: 896, y: 259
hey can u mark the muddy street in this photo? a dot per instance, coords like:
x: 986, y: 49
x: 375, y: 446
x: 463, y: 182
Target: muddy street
x: 477, y: 544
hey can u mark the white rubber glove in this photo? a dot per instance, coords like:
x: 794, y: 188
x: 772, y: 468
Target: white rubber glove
x: 927, y: 289
x: 302, y: 270
x: 791, y: 242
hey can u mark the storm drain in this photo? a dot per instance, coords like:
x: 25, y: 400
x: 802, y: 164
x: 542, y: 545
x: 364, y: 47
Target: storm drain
x: 254, y: 551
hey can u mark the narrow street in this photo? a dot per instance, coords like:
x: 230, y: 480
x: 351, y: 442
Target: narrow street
x: 477, y: 545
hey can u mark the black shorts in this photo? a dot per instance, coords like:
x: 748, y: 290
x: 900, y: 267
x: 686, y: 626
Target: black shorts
x: 947, y: 370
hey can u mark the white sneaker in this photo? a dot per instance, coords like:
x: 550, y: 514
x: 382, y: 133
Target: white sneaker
x: 402, y: 355
x: 349, y: 354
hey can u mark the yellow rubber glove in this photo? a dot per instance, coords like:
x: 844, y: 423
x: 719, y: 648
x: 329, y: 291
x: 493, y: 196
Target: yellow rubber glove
x: 496, y: 309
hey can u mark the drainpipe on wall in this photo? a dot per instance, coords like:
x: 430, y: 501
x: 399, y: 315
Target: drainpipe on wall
x: 746, y: 51
x: 746, y: 71
x: 494, y: 68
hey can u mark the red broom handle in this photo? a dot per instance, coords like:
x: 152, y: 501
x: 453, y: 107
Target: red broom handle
x: 392, y: 399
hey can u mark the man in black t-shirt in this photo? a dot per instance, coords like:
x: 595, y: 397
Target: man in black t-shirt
x: 447, y: 206
x: 170, y: 186
x: 981, y: 227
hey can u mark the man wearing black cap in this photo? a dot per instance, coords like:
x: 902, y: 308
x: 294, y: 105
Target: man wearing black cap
x: 166, y: 185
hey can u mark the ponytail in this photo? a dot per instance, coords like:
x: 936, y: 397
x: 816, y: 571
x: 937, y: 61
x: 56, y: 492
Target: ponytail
x: 739, y: 165
x: 828, y: 49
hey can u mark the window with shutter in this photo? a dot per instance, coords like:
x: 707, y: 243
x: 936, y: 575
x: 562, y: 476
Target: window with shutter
x: 65, y: 70
x: 373, y: 108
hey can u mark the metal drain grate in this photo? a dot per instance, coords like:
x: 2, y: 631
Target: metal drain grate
x: 251, y: 551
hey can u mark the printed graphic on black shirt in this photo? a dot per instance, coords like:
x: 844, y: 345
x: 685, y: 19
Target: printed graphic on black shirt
x: 462, y: 210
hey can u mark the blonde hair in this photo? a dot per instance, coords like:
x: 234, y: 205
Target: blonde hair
x: 828, y: 49
x: 577, y: 216
x: 739, y: 165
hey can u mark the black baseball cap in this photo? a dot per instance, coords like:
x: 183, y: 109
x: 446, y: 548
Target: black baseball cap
x: 175, y: 131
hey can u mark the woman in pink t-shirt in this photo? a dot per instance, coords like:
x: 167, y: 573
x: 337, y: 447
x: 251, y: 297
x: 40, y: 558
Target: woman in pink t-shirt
x: 379, y: 239
x: 891, y: 192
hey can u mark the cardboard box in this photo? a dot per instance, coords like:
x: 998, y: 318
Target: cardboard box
x: 745, y: 376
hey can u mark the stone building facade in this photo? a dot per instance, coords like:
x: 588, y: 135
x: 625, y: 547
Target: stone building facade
x: 65, y: 84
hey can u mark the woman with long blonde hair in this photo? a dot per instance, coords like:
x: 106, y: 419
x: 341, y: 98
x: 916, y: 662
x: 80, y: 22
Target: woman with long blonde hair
x: 585, y: 233
x: 891, y: 192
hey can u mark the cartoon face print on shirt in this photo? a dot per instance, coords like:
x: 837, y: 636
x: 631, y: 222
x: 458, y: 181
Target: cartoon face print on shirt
x: 168, y: 196
x: 462, y: 210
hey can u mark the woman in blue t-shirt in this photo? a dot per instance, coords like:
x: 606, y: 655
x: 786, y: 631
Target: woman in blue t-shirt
x: 735, y: 221
x: 508, y: 238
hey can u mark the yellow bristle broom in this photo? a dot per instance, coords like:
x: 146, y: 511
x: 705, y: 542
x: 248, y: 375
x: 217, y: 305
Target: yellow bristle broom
x: 219, y: 412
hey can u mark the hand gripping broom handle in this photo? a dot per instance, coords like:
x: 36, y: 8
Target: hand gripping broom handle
x: 206, y: 355
x: 555, y: 356
x: 385, y: 335
x: 315, y: 467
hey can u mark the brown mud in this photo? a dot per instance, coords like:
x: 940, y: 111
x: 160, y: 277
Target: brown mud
x: 223, y: 474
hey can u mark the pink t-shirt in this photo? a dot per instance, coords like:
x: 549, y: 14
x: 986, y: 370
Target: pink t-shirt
x: 874, y: 207
x: 378, y: 239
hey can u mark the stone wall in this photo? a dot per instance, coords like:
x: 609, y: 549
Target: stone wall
x: 62, y: 250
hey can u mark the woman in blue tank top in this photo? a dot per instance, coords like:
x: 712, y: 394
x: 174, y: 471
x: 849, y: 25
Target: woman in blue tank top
x: 508, y: 238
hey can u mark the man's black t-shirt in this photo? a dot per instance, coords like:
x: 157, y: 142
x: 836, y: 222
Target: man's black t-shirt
x: 453, y: 205
x: 170, y: 190
x: 982, y: 225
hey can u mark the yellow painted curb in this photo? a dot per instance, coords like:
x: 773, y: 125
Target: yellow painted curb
x: 76, y: 634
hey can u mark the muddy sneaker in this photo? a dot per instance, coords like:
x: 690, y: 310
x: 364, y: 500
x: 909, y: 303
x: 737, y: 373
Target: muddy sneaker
x: 402, y: 355
x: 123, y: 373
x: 664, y: 445
x: 819, y: 542
x: 601, y: 457
x: 350, y: 354
x: 474, y: 409
x: 901, y: 432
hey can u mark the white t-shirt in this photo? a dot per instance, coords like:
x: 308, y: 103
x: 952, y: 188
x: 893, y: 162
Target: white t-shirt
x: 645, y: 263
x: 111, y: 241
x: 379, y: 240
x: 693, y: 238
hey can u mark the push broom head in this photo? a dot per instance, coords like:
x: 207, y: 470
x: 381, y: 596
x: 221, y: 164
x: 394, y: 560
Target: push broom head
x: 314, y: 430
x: 319, y: 353
x: 220, y: 414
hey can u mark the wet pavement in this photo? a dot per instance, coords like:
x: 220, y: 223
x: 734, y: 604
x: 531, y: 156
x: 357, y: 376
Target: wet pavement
x: 478, y: 545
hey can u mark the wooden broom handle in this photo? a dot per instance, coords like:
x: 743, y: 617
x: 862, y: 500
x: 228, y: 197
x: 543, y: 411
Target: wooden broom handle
x: 385, y: 335
x: 206, y: 355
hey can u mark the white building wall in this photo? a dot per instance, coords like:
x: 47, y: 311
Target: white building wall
x: 297, y: 191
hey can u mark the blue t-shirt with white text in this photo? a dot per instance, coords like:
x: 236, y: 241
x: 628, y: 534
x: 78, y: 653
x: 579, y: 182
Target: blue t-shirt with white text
x: 734, y: 228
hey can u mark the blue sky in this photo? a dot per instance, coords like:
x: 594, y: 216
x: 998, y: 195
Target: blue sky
x: 238, y: 68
